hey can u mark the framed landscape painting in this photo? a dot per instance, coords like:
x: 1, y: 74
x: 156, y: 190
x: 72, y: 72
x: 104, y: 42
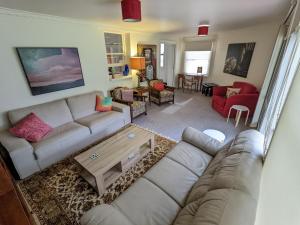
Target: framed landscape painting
x: 51, y: 69
x: 238, y: 58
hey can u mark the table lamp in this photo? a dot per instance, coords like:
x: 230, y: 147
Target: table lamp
x: 139, y: 64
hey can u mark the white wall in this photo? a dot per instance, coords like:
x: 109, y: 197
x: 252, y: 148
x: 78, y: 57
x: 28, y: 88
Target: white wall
x: 32, y: 30
x: 132, y: 40
x: 264, y: 35
x: 138, y: 38
x: 280, y: 185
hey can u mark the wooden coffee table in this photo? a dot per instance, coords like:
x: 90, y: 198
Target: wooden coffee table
x: 106, y: 162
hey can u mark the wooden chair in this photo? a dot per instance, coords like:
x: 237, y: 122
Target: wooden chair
x: 137, y: 105
x: 189, y: 82
x: 180, y: 80
x: 160, y: 97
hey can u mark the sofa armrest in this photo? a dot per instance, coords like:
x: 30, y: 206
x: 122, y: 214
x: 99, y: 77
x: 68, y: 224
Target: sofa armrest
x: 122, y: 109
x: 21, y: 153
x: 104, y: 215
x: 202, y: 141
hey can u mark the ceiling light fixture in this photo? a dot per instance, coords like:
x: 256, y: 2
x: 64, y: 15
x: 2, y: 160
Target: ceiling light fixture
x: 203, y: 30
x: 131, y: 10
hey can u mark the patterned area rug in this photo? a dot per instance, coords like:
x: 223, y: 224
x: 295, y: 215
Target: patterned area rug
x: 58, y: 195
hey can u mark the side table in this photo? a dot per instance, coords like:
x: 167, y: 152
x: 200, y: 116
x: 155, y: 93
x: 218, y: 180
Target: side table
x: 207, y: 88
x: 240, y: 109
x: 218, y: 135
x: 142, y: 91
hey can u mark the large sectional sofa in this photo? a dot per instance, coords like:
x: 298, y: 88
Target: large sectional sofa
x: 76, y: 125
x: 199, y: 182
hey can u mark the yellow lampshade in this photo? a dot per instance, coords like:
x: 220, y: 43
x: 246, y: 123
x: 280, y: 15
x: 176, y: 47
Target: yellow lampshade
x: 138, y: 63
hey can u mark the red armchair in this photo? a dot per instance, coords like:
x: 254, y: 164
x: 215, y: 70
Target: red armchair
x: 248, y: 96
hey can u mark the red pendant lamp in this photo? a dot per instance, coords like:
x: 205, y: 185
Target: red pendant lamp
x: 203, y: 30
x: 131, y: 10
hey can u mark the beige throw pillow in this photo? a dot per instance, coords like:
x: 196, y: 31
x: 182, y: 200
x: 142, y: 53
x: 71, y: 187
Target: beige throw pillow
x: 232, y: 91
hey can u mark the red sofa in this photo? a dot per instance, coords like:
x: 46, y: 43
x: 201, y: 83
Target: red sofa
x: 248, y: 96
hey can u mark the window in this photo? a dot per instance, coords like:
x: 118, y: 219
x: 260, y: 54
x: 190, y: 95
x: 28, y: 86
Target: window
x: 162, y: 54
x: 115, y: 54
x: 289, y: 66
x: 195, y: 59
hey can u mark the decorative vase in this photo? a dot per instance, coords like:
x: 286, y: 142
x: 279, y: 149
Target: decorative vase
x: 126, y: 70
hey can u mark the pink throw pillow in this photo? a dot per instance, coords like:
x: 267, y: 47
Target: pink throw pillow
x: 127, y: 95
x: 31, y: 128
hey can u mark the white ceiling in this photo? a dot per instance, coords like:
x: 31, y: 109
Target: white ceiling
x: 162, y: 15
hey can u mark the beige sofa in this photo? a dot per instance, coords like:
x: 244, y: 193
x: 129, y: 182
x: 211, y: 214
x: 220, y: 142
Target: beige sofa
x: 76, y: 125
x: 199, y: 182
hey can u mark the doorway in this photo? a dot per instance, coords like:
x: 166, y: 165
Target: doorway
x: 167, y: 62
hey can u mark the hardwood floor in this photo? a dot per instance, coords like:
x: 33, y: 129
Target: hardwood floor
x: 12, y: 208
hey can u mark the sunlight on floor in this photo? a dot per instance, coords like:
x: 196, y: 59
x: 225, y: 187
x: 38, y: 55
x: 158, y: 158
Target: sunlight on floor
x: 177, y: 106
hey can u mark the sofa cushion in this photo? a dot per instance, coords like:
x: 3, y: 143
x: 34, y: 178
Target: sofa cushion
x: 59, y: 143
x: 214, y: 163
x: 104, y: 215
x: 138, y: 107
x: 187, y: 214
x: 173, y: 178
x: 191, y: 157
x: 146, y: 204
x: 83, y: 105
x: 222, y: 206
x: 200, y: 188
x: 240, y: 171
x: 54, y: 113
x: 166, y: 94
x: 101, y: 120
x: 226, y: 207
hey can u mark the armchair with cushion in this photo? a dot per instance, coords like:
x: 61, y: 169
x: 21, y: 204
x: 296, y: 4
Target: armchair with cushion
x: 137, y: 103
x: 160, y: 92
x: 248, y: 96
